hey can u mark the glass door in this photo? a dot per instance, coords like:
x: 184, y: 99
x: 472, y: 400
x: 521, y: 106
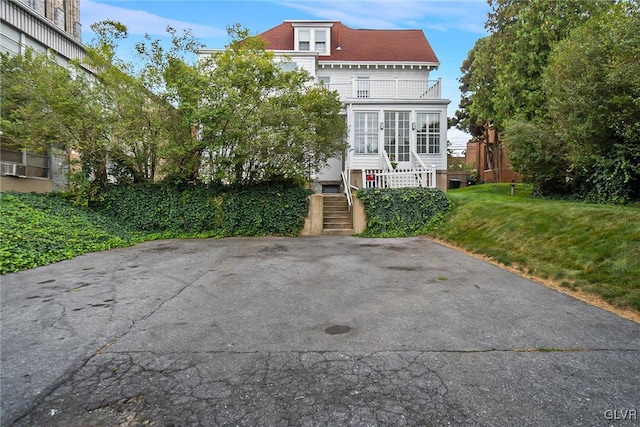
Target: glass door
x: 397, y: 134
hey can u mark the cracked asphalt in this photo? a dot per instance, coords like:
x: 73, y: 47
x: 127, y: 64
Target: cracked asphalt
x: 306, y: 331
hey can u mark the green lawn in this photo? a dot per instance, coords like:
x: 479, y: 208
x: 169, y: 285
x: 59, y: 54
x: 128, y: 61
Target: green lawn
x: 594, y: 248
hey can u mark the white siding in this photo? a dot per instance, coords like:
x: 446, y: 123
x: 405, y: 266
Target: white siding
x: 366, y: 161
x: 303, y: 62
x: 332, y: 172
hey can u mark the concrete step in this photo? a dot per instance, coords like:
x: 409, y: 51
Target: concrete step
x: 336, y: 215
x: 335, y: 204
x: 334, y: 225
x: 338, y: 232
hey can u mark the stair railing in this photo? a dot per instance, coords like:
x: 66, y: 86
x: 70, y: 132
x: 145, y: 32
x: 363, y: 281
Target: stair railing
x: 346, y: 182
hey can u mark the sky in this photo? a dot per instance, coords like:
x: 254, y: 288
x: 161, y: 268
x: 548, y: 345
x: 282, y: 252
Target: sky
x: 451, y: 26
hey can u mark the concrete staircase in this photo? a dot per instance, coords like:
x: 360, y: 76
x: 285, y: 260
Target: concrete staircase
x: 336, y: 215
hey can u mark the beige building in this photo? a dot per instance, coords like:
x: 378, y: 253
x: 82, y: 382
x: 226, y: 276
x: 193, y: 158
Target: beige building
x: 51, y: 26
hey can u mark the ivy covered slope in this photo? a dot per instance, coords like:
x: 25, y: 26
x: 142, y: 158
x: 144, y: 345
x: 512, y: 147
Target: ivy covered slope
x: 39, y: 229
x: 400, y: 212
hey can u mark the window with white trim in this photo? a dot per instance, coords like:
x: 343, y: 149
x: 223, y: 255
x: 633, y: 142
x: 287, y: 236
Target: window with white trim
x: 428, y: 133
x: 320, y: 41
x: 324, y: 80
x: 304, y: 39
x: 310, y: 39
x: 366, y: 133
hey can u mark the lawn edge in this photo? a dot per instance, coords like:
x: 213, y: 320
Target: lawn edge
x: 588, y: 298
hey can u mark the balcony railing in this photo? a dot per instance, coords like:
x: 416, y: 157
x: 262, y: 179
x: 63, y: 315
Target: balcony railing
x: 387, y: 89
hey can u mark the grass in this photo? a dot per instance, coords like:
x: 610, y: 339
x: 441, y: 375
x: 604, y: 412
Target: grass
x: 593, y: 248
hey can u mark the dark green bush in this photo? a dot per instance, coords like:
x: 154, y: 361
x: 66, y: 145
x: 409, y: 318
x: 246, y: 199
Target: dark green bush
x: 162, y: 207
x: 398, y: 212
x: 277, y: 208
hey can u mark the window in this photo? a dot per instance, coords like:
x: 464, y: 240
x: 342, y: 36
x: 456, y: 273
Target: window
x: 366, y: 133
x: 428, y: 133
x: 287, y: 66
x: 320, y: 41
x: 311, y: 39
x: 324, y: 80
x: 304, y: 40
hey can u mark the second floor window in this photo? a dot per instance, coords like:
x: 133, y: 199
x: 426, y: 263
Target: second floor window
x: 304, y: 40
x: 316, y: 40
x: 321, y: 41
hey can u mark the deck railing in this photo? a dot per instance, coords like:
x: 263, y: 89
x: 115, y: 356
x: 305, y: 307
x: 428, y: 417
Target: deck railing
x: 399, y: 178
x: 387, y: 89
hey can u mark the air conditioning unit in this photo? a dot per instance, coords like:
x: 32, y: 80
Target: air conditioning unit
x: 12, y: 169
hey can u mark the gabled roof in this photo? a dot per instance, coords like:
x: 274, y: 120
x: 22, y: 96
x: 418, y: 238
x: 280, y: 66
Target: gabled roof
x: 361, y: 45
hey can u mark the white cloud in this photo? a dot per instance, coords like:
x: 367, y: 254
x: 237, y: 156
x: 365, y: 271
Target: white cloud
x: 139, y: 22
x: 458, y: 138
x: 440, y: 15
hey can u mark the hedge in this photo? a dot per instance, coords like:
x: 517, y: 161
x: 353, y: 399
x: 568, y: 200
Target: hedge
x: 400, y: 212
x: 273, y: 208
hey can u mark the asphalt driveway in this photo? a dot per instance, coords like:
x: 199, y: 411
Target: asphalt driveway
x: 306, y: 331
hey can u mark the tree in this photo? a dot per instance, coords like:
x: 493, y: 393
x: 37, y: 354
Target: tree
x: 593, y: 88
x: 251, y: 121
x: 44, y: 106
x: 537, y: 155
x: 141, y: 122
x: 502, y: 76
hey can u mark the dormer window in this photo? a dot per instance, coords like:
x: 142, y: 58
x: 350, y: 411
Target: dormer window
x: 312, y: 37
x: 321, y: 41
x: 304, y: 40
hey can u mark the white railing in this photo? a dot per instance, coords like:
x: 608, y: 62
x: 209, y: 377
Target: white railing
x: 387, y: 89
x: 346, y: 182
x: 386, y: 161
x: 399, y: 178
x: 418, y: 160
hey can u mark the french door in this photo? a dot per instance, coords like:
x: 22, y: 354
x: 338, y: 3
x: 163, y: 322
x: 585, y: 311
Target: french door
x: 397, y: 134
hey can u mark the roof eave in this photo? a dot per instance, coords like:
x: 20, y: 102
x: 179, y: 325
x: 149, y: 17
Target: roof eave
x: 432, y: 65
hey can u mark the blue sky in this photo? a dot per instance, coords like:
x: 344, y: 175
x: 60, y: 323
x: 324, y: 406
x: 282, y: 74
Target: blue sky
x: 451, y: 26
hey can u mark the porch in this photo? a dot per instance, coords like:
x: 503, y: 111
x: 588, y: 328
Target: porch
x: 414, y: 174
x: 361, y: 88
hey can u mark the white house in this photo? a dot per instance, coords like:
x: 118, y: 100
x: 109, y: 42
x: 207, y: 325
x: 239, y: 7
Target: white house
x: 396, y: 118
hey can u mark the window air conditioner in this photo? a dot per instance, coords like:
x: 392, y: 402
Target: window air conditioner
x: 12, y: 169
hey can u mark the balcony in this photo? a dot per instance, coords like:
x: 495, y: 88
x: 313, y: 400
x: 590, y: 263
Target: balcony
x: 387, y: 89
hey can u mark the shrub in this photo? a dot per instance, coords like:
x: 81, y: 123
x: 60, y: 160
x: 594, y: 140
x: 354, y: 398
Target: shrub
x: 273, y: 208
x: 158, y: 207
x: 398, y: 212
x: 277, y: 208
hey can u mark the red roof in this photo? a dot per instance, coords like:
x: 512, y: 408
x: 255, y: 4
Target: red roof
x: 361, y: 45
